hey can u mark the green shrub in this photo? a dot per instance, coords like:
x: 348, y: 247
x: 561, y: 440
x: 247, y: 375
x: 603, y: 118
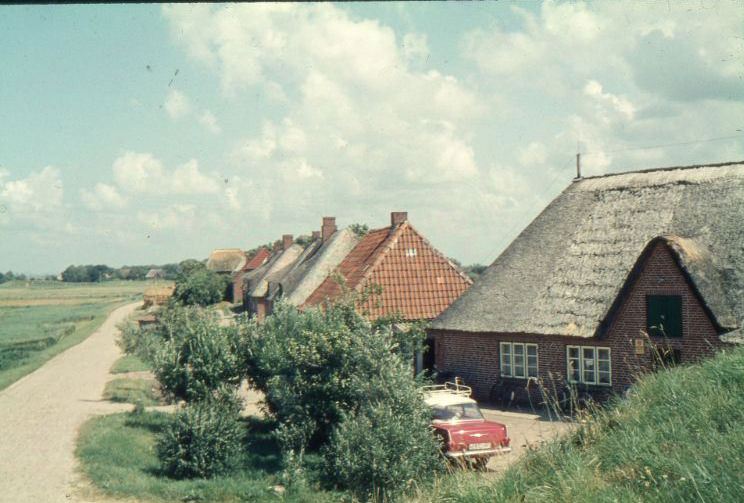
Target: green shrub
x: 306, y: 365
x: 385, y: 447
x: 199, y: 286
x: 203, y: 441
x: 190, y: 354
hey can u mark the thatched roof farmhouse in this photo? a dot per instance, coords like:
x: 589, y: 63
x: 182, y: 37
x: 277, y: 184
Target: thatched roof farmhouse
x: 596, y: 284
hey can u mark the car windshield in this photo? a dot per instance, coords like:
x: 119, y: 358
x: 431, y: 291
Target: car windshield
x: 457, y: 412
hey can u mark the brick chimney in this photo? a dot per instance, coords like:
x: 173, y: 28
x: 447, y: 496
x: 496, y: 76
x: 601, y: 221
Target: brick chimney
x: 398, y: 217
x: 316, y: 235
x: 287, y: 241
x: 328, y: 228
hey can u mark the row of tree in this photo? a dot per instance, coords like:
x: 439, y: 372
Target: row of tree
x: 10, y: 276
x: 101, y: 272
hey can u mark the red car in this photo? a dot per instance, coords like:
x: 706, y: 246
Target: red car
x: 466, y: 435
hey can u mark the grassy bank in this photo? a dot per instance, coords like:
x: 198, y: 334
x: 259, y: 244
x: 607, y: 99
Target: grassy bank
x: 679, y: 438
x: 142, y: 391
x: 117, y: 453
x: 40, y: 319
x: 128, y: 363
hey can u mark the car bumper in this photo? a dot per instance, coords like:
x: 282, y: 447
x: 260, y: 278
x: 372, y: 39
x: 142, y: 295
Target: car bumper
x: 485, y: 452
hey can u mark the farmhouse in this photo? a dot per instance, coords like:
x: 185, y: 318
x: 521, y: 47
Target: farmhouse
x: 228, y: 262
x: 412, y: 278
x: 619, y: 274
x: 256, y: 282
x: 253, y: 261
x: 321, y: 257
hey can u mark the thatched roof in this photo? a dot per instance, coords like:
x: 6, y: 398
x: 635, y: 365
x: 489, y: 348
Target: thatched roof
x: 257, y: 280
x: 562, y: 274
x: 226, y: 260
x: 318, y: 261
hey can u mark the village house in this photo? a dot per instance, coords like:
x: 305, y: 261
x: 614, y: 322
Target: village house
x: 253, y: 261
x: 296, y: 277
x: 256, y: 282
x: 619, y: 274
x: 404, y: 274
x: 227, y: 262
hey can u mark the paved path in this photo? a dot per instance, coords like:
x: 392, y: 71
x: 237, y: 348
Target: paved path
x: 40, y: 416
x: 525, y: 431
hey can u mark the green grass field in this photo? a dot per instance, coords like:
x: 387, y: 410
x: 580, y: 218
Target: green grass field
x: 117, y: 452
x: 40, y: 319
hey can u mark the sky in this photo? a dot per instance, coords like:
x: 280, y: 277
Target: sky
x: 148, y: 134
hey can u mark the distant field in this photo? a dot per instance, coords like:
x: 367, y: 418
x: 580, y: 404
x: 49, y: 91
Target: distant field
x: 40, y: 319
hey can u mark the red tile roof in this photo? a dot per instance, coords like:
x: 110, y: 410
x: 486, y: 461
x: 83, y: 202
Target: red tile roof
x: 416, y: 280
x: 261, y: 256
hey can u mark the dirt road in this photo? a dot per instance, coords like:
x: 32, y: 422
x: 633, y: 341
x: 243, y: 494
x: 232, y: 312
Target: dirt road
x: 40, y: 416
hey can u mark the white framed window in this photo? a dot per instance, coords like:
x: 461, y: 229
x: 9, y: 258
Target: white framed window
x: 589, y: 365
x: 518, y: 359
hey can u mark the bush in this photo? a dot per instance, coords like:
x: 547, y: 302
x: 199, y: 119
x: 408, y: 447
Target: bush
x: 190, y: 354
x: 385, y: 446
x: 199, y: 286
x: 305, y: 364
x: 204, y: 440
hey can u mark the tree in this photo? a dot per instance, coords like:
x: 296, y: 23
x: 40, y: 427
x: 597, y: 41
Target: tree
x: 197, y: 285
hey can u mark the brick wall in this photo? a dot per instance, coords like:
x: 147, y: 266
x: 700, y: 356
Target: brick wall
x: 475, y: 356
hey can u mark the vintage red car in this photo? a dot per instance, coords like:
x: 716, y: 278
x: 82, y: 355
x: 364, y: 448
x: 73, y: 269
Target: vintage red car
x: 465, y: 434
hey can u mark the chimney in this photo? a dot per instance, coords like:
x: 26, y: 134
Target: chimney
x: 316, y: 235
x: 277, y: 245
x: 398, y: 217
x: 287, y: 241
x: 328, y: 228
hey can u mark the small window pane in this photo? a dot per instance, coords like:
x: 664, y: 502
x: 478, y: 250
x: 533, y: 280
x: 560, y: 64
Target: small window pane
x: 506, y: 369
x: 573, y: 352
x: 604, y: 377
x: 573, y: 370
x: 587, y: 359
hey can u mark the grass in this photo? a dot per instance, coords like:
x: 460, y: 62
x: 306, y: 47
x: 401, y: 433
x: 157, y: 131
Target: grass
x: 40, y: 319
x: 128, y: 363
x: 117, y: 453
x: 143, y: 391
x: 678, y: 438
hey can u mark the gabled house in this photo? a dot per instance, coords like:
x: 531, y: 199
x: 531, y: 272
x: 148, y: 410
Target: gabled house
x: 321, y: 257
x: 403, y: 274
x: 227, y: 262
x: 414, y: 279
x: 619, y: 274
x: 254, y: 261
x: 256, y: 282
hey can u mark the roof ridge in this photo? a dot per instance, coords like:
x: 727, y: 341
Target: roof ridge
x: 668, y: 168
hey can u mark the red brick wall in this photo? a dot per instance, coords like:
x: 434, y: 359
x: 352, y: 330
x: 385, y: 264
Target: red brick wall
x: 475, y: 356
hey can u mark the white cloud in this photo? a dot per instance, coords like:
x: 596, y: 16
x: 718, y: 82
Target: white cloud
x: 142, y: 173
x: 209, y: 121
x: 103, y: 196
x: 415, y: 47
x: 177, y: 104
x: 40, y: 192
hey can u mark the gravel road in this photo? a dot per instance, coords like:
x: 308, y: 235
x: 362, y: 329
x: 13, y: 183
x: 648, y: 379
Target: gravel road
x: 40, y: 416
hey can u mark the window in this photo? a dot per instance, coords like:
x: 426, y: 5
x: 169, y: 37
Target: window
x: 589, y: 365
x: 518, y: 360
x: 664, y: 315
